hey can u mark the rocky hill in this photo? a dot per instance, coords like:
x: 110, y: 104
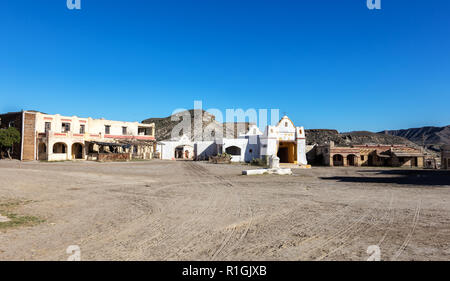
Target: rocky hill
x: 431, y: 137
x: 321, y: 136
x: 164, y: 126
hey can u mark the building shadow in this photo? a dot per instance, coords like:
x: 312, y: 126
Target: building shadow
x: 398, y: 176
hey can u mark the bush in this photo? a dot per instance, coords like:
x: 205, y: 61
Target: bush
x: 258, y: 162
x: 9, y: 137
x: 221, y: 158
x: 224, y: 155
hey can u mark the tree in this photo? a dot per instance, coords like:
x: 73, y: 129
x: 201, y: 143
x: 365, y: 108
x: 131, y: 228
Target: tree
x: 9, y: 137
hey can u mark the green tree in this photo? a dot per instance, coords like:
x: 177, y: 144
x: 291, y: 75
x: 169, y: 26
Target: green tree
x: 9, y: 137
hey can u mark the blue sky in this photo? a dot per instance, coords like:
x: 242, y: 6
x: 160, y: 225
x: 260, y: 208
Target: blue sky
x: 326, y: 63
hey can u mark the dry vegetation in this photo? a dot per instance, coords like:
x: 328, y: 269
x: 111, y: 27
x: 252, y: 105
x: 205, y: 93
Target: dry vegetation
x: 8, y: 209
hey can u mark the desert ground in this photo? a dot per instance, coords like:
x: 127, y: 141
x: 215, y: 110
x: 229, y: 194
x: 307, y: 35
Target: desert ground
x: 184, y: 210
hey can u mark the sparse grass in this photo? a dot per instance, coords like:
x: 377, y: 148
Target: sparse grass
x: 13, y: 203
x: 16, y: 220
x: 8, y: 209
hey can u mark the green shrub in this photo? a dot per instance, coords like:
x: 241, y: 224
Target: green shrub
x: 9, y: 137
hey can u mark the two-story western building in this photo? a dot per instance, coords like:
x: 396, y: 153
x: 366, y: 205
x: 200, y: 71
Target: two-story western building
x: 57, y: 138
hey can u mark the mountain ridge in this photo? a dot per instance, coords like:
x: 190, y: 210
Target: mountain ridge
x: 165, y: 125
x: 430, y: 137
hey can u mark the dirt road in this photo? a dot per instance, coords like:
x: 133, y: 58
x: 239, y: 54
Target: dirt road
x: 167, y: 210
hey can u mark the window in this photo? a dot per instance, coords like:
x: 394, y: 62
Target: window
x: 48, y: 126
x: 124, y: 130
x: 65, y: 127
x: 107, y: 129
x: 362, y: 157
x: 11, y: 124
x: 148, y: 131
x: 285, y: 124
x: 82, y: 129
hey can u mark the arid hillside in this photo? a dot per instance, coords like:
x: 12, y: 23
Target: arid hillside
x: 165, y: 126
x: 321, y: 136
x: 431, y: 137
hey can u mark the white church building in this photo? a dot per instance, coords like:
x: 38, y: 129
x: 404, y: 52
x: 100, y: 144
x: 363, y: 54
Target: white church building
x: 284, y: 140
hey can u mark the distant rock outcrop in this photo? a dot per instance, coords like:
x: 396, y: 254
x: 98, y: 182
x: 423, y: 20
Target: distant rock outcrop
x: 431, y: 137
x: 164, y: 126
x: 322, y: 136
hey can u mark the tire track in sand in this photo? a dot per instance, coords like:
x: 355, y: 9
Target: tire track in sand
x: 411, y: 232
x: 375, y: 222
x: 220, y: 205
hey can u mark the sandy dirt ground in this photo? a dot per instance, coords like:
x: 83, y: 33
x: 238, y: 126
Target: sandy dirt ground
x: 167, y: 210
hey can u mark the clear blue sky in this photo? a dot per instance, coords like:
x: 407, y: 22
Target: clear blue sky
x: 326, y: 63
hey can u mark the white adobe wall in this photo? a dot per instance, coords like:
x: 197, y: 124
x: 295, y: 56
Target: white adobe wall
x: 159, y: 149
x: 97, y: 126
x: 241, y: 143
x: 301, y: 146
x: 92, y: 126
x: 269, y: 141
x: 286, y: 129
x: 167, y: 150
x: 69, y: 142
x: 205, y: 149
x: 253, y: 148
x: 56, y: 121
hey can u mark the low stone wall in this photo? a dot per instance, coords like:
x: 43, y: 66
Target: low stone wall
x: 57, y: 157
x: 113, y: 157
